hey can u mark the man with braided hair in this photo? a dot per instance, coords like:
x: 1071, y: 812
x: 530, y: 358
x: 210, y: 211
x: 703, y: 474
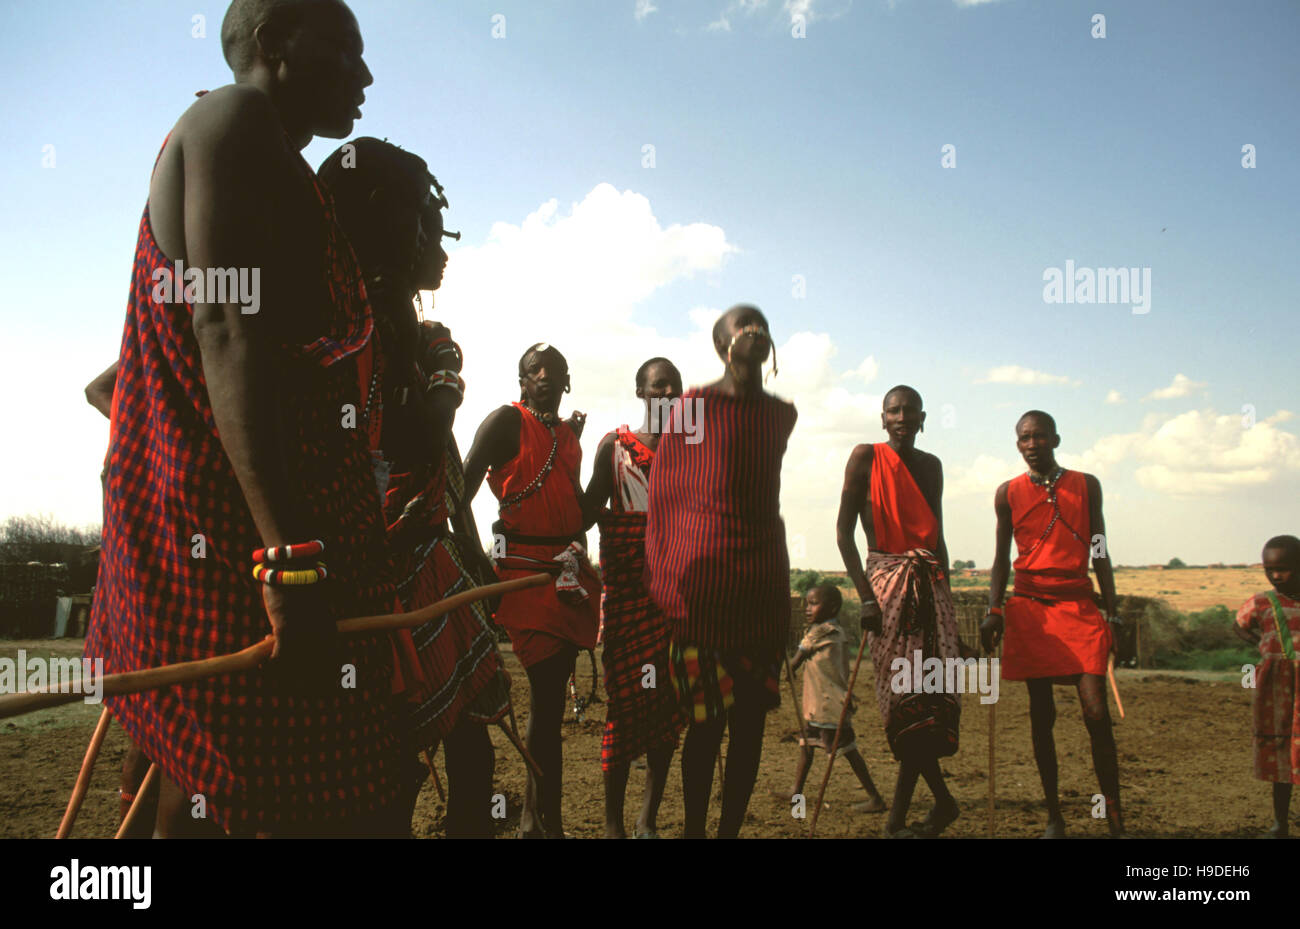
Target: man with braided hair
x: 531, y: 459
x: 452, y: 681
x: 1054, y: 632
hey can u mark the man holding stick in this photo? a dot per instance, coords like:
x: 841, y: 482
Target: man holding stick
x: 1054, y: 632
x: 240, y: 413
x: 895, y: 490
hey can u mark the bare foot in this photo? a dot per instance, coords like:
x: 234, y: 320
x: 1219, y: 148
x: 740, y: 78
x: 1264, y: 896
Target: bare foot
x: 871, y: 805
x: 939, y: 819
x: 1055, y: 829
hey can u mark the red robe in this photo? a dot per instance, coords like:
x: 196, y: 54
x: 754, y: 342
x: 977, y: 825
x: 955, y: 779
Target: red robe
x: 900, y: 514
x: 264, y: 757
x: 1060, y: 631
x: 540, y: 622
x: 715, y: 541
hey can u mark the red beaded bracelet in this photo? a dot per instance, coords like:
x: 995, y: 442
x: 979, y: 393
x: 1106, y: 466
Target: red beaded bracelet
x: 289, y: 552
x: 995, y: 610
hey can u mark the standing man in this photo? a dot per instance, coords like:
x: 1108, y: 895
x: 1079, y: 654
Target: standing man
x: 642, y: 718
x: 239, y: 422
x: 719, y: 569
x: 896, y: 491
x: 534, y: 459
x: 1054, y: 632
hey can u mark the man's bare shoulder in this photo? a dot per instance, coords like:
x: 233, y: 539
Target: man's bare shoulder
x: 236, y: 112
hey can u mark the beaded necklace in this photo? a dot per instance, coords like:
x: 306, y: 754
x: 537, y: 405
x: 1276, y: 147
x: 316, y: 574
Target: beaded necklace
x: 535, y: 484
x: 1049, y: 483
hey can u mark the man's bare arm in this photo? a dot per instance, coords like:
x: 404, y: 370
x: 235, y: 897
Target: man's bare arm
x: 601, y: 485
x: 495, y: 443
x: 852, y: 499
x: 943, y: 542
x: 234, y: 157
x: 992, y: 626
x: 1101, y: 563
x: 99, y: 392
x: 1001, y: 569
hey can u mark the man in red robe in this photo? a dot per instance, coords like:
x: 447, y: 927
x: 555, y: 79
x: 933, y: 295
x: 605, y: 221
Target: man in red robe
x: 895, y: 491
x: 718, y: 565
x: 239, y: 422
x: 1054, y: 632
x: 534, y: 459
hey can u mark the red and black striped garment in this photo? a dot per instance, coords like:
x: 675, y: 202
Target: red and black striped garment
x: 715, y: 541
x: 640, y: 717
x: 265, y: 758
x: 456, y: 653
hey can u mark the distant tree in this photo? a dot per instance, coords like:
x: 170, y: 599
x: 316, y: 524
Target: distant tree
x: 803, y: 581
x: 1176, y: 563
x: 42, y: 538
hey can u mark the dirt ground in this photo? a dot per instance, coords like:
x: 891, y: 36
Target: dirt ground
x: 1185, y: 764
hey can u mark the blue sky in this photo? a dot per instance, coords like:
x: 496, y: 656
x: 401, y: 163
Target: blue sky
x: 774, y: 157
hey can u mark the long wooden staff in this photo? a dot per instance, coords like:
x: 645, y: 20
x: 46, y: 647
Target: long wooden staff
x: 433, y: 772
x: 83, y: 778
x: 1114, y: 688
x: 844, y: 714
x: 794, y: 697
x: 993, y: 760
x: 138, y: 803
x: 130, y: 682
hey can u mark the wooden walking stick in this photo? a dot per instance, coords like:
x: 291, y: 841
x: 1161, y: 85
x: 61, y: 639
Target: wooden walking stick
x: 518, y: 743
x: 138, y: 803
x: 839, y: 729
x: 83, y: 778
x: 1114, y: 688
x: 181, y: 672
x: 993, y: 771
x: 433, y: 772
x: 794, y: 696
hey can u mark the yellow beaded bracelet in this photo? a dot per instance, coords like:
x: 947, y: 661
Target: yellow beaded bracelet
x: 288, y: 577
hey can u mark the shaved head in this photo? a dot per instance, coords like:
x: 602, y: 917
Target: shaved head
x: 901, y: 389
x: 238, y: 44
x: 1039, y: 415
x: 1285, y: 543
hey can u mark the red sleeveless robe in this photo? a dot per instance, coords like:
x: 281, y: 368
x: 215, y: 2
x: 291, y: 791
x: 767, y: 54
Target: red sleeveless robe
x: 540, y: 623
x: 1060, y: 631
x: 264, y: 759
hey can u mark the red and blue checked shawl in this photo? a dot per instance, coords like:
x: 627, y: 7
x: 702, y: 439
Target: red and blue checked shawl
x: 715, y: 541
x: 262, y: 758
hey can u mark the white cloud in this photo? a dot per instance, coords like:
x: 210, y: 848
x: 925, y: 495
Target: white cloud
x: 799, y: 9
x: 981, y: 477
x: 965, y: 3
x: 1199, y: 453
x: 1015, y: 374
x: 865, y: 372
x: 1114, y: 396
x: 576, y: 278
x: 1181, y: 386
x: 644, y: 8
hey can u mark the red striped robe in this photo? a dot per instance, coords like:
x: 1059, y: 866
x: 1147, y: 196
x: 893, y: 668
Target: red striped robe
x: 715, y: 541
